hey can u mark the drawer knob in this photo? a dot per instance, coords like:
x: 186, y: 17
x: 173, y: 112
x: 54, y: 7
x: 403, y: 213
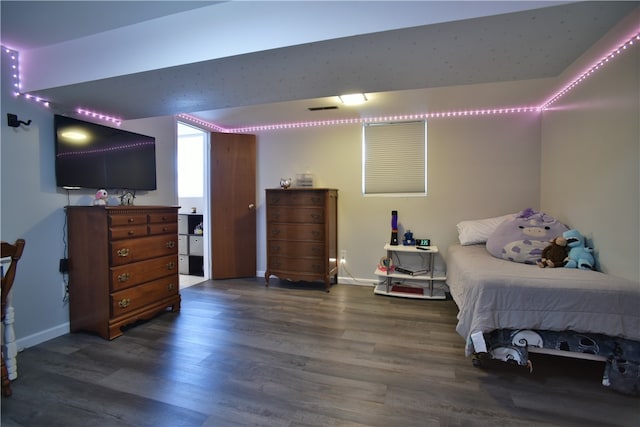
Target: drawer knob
x: 171, y: 265
x: 171, y: 244
x: 124, y: 252
x: 124, y: 303
x: 131, y: 232
x: 170, y: 287
x: 131, y: 220
x: 123, y: 277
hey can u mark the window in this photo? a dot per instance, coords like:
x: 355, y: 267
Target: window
x: 394, y: 158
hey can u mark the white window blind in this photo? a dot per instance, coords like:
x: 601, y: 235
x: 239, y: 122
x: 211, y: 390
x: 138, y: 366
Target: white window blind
x: 394, y: 158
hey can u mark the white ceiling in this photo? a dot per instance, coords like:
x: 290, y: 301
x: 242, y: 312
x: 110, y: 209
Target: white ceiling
x: 449, y: 44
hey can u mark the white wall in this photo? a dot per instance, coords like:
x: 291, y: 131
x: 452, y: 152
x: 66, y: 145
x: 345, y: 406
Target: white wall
x: 477, y: 167
x: 591, y: 158
x: 32, y: 207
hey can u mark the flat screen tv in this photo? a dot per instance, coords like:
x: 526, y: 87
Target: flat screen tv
x: 90, y: 155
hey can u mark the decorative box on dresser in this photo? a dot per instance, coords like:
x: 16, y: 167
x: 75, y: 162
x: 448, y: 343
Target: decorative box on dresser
x: 302, y: 234
x: 123, y: 265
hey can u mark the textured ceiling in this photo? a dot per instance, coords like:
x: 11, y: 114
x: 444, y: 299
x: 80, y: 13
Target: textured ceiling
x: 244, y: 89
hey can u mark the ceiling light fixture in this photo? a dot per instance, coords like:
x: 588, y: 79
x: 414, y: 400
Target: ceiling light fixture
x: 353, y: 98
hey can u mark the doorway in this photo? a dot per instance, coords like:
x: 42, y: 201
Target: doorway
x: 193, y: 215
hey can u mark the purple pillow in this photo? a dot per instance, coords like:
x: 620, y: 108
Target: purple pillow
x: 523, y: 238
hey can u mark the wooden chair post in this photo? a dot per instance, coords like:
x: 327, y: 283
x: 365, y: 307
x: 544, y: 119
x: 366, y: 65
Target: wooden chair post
x: 13, y: 251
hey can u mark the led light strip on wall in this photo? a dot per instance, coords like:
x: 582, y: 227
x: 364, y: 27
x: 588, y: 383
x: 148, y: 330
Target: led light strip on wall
x: 204, y: 124
x: 14, y: 61
x: 634, y: 40
x: 99, y: 116
x: 630, y: 42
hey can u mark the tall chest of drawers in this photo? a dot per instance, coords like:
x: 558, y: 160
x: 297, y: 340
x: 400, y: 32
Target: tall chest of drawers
x: 123, y: 265
x: 302, y: 234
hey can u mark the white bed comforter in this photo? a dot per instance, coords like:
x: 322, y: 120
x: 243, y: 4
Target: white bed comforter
x: 492, y: 294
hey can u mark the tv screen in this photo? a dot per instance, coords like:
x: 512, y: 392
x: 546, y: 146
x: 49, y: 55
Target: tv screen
x: 90, y: 155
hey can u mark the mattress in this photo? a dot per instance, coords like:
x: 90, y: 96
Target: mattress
x: 494, y: 294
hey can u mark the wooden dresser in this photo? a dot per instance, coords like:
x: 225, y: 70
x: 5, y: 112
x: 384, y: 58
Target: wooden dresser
x: 302, y: 234
x: 123, y: 265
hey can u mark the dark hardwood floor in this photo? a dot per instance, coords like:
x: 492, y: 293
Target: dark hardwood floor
x: 241, y: 354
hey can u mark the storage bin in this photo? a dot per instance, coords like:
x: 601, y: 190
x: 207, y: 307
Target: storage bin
x: 196, y: 246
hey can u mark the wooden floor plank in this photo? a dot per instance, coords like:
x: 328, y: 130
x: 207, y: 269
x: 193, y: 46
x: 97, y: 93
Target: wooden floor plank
x: 239, y: 353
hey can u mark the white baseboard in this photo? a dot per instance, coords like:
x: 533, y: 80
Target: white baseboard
x: 347, y: 280
x: 42, y: 336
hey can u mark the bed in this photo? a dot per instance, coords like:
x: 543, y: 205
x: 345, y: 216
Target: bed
x: 507, y: 309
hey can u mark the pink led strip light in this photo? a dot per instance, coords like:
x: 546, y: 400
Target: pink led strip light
x: 14, y: 62
x: 464, y: 113
x: 99, y: 116
x: 634, y: 40
x: 605, y: 60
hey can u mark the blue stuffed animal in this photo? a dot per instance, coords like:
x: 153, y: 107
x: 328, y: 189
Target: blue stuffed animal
x: 580, y: 256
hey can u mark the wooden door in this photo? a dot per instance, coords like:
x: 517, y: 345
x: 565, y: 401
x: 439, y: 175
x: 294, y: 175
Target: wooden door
x: 233, y: 199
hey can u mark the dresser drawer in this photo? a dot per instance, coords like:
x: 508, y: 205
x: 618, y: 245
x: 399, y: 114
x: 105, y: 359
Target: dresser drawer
x: 135, y: 273
x: 163, y: 228
x: 132, y: 250
x: 137, y: 297
x: 296, y: 232
x: 163, y: 218
x: 297, y: 214
x: 116, y: 220
x: 296, y: 249
x: 127, y: 231
x: 295, y: 198
x: 297, y: 265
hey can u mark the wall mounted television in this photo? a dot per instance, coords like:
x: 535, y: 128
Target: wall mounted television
x: 90, y: 155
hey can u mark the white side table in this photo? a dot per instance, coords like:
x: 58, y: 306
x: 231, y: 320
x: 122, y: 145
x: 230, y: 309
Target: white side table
x: 422, y: 258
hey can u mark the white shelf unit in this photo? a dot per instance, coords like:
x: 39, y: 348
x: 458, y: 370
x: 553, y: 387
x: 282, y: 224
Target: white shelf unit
x: 190, y: 245
x: 411, y: 286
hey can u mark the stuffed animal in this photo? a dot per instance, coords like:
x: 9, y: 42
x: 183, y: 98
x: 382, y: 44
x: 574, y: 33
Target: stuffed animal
x: 555, y: 254
x: 579, y: 256
x: 101, y: 198
x: 523, y: 238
